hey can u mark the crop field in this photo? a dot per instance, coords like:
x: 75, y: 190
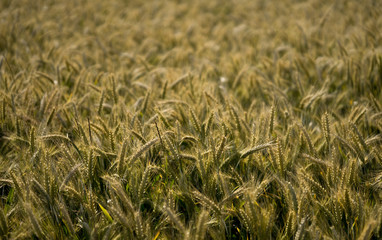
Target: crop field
x: 166, y: 119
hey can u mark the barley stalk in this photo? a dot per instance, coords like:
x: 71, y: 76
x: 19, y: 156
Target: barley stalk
x: 3, y: 223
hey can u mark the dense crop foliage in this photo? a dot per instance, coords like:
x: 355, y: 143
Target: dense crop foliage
x: 190, y: 119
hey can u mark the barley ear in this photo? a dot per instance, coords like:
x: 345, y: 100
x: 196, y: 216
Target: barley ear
x: 115, y: 95
x: 236, y: 117
x: 280, y: 158
x: 35, y: 224
x: 326, y: 128
x: 142, y: 150
x: 163, y: 95
x: 112, y: 141
x: 139, y: 226
x: 250, y: 151
x: 100, y: 105
x: 271, y: 121
x: 121, y: 159
x: 368, y: 230
x: 201, y: 225
x: 145, y: 102
x: 300, y: 230
x: 195, y: 121
x: 309, y: 141
x: 175, y: 219
x: 68, y: 222
x: 32, y: 141
x: 69, y: 176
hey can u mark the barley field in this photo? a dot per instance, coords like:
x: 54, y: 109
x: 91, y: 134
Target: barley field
x: 198, y: 119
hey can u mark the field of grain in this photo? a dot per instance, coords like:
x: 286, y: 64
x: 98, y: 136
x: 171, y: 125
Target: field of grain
x: 166, y: 119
